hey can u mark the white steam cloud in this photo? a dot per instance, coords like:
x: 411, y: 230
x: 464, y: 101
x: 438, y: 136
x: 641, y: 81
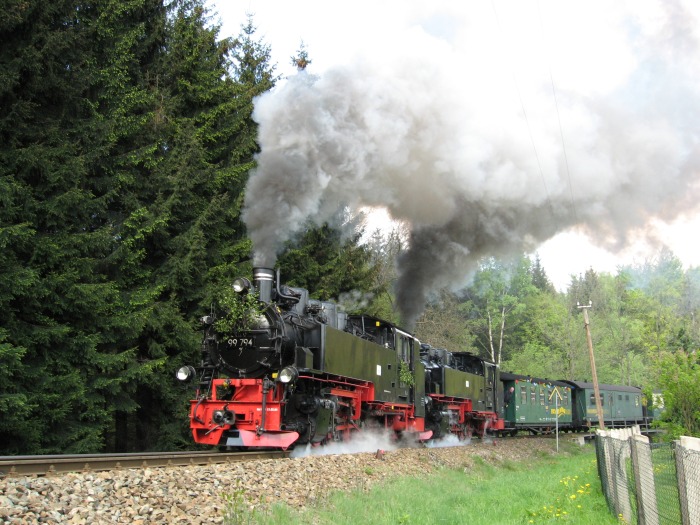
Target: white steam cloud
x: 476, y: 160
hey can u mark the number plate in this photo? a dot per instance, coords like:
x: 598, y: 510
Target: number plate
x: 243, y: 342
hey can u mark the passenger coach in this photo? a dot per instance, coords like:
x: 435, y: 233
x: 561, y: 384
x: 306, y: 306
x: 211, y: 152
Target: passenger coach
x: 534, y: 404
x: 622, y: 406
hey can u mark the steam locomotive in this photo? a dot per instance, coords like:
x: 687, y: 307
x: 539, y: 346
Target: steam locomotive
x: 292, y: 370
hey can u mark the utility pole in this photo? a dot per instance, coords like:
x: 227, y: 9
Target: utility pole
x: 596, y: 390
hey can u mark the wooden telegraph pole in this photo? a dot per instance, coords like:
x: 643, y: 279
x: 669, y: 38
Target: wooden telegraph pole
x: 596, y: 390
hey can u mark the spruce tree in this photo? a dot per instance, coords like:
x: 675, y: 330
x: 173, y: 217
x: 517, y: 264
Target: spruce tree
x: 206, y: 146
x: 63, y: 61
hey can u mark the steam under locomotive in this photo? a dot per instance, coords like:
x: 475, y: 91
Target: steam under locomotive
x: 302, y: 371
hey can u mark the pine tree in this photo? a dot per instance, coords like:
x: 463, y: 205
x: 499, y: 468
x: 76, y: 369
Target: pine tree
x: 68, y: 313
x: 328, y: 265
x: 194, y: 238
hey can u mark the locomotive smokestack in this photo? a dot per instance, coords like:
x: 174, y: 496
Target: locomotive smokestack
x: 263, y: 279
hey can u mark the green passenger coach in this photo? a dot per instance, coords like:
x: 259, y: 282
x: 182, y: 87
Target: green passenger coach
x: 534, y: 404
x: 622, y: 406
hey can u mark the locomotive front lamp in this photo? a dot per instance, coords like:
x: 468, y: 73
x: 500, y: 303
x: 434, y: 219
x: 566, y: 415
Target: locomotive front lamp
x: 241, y: 285
x: 185, y: 373
x: 288, y: 374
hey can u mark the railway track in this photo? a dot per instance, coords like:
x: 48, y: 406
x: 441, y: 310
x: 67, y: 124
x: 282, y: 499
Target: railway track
x: 12, y: 466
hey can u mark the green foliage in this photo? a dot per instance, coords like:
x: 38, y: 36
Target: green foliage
x: 239, y: 311
x: 405, y: 374
x: 497, y: 305
x: 444, y: 324
x: 328, y: 265
x: 301, y: 59
x: 126, y: 140
x: 679, y: 380
x: 237, y: 511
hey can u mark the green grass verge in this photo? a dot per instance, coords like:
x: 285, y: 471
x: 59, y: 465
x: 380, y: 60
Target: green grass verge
x: 551, y: 489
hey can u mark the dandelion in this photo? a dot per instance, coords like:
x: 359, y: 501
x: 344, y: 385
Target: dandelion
x: 573, y: 496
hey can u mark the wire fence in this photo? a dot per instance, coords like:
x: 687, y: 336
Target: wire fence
x: 648, y: 483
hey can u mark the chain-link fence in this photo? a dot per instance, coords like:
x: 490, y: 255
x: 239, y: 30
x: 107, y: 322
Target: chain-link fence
x: 648, y: 483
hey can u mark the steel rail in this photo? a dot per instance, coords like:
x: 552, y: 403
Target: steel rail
x: 14, y: 466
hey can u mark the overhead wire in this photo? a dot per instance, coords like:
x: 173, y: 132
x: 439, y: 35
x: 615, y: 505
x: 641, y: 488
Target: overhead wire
x: 527, y: 120
x: 561, y: 129
x: 574, y: 209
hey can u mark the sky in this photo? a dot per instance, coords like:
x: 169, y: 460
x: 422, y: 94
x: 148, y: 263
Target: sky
x: 564, y: 128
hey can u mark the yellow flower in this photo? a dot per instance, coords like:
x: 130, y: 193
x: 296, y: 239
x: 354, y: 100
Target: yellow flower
x: 573, y: 496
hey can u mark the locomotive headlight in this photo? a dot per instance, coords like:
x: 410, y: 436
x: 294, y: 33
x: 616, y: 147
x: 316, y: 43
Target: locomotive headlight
x: 186, y: 373
x: 288, y: 374
x: 241, y: 285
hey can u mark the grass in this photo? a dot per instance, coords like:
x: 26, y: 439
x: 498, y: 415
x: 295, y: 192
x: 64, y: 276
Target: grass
x: 552, y: 489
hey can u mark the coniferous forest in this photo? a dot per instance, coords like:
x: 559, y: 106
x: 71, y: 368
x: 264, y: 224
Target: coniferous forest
x: 126, y: 143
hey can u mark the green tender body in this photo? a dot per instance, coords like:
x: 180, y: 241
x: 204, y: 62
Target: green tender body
x: 469, y: 386
x: 349, y: 356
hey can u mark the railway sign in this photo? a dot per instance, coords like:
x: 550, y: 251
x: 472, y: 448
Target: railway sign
x: 555, y: 390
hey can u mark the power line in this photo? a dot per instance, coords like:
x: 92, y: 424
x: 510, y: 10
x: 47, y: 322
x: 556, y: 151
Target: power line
x: 561, y: 129
x: 527, y: 120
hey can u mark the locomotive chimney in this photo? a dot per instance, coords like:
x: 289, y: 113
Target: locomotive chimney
x: 263, y: 279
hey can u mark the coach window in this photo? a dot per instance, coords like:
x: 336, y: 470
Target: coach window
x: 533, y: 395
x: 592, y: 402
x: 523, y: 395
x: 541, y: 396
x: 636, y: 401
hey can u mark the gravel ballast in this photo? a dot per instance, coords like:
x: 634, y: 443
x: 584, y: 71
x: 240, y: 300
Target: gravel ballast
x: 199, y: 494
